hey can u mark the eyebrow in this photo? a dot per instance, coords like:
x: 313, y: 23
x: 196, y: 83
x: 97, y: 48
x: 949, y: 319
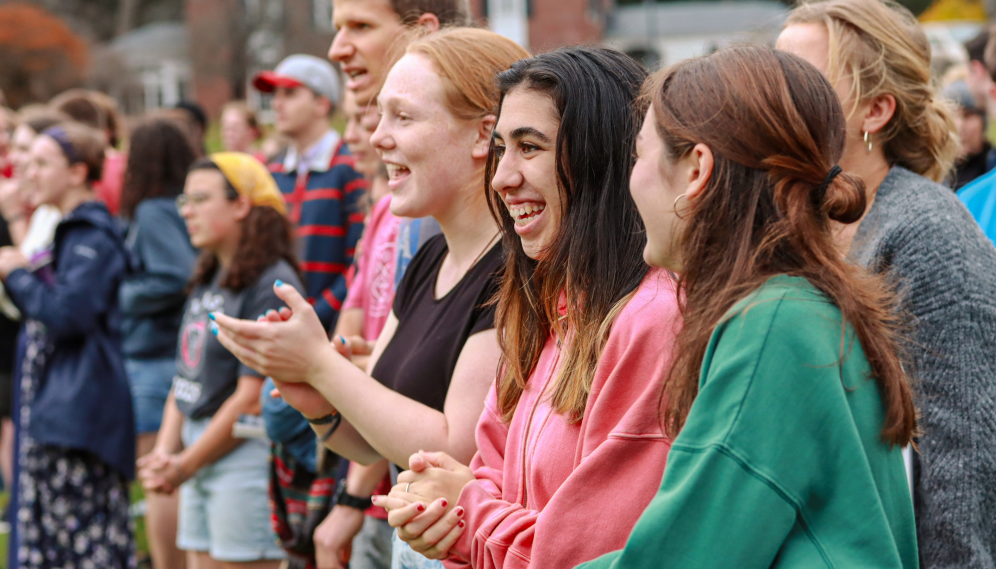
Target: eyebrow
x: 524, y: 131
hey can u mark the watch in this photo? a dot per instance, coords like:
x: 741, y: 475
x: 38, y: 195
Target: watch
x: 342, y: 498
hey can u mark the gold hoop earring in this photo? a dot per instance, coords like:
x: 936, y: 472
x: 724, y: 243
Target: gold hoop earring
x: 674, y: 206
x: 868, y: 141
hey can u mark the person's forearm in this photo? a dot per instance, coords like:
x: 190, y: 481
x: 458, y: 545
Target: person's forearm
x: 169, y: 438
x: 348, y: 443
x: 361, y: 480
x: 217, y: 440
x: 382, y: 416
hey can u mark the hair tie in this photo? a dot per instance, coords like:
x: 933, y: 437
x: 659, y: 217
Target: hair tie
x: 821, y: 192
x: 58, y: 134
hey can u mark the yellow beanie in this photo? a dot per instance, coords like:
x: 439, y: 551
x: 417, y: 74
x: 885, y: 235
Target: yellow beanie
x: 250, y: 178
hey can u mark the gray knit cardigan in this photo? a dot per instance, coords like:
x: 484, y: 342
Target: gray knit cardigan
x: 919, y: 234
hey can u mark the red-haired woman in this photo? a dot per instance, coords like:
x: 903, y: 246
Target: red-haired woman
x: 788, y: 402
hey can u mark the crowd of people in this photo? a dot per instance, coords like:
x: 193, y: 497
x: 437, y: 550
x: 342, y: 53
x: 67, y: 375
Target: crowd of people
x: 524, y: 311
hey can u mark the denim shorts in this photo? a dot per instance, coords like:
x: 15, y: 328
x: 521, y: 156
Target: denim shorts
x: 225, y: 508
x: 404, y: 557
x: 150, y: 382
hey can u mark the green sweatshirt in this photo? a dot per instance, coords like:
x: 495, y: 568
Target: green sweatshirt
x: 780, y: 462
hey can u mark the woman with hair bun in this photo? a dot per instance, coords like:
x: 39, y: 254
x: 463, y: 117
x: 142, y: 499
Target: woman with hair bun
x: 901, y: 141
x: 787, y: 404
x: 77, y: 434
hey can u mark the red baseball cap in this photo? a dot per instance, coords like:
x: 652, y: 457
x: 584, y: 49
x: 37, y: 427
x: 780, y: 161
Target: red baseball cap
x: 268, y: 81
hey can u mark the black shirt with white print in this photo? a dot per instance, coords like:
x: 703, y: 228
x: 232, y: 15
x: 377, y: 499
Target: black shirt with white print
x: 207, y: 373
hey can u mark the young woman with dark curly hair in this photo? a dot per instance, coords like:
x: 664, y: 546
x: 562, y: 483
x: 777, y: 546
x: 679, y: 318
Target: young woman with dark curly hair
x: 235, y: 215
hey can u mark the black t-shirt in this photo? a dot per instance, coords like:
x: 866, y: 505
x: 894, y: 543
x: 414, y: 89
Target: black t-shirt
x: 207, y: 373
x: 419, y: 361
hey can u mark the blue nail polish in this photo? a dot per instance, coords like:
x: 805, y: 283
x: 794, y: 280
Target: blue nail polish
x: 214, y: 328
x: 343, y: 340
x: 278, y: 283
x: 211, y: 315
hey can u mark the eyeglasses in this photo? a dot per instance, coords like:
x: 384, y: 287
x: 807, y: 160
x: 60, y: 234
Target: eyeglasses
x: 192, y: 199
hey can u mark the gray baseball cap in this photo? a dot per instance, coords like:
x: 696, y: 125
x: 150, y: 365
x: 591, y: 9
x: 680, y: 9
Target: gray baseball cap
x: 312, y: 72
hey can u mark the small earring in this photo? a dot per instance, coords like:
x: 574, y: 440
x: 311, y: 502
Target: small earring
x: 868, y: 141
x: 674, y: 206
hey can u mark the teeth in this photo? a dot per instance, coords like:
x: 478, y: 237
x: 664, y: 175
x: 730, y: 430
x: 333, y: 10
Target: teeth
x: 394, y: 170
x: 520, y: 213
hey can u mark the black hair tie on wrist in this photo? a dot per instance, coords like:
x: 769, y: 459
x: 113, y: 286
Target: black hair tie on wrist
x: 821, y: 192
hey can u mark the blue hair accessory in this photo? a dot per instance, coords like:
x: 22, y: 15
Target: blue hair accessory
x: 58, y: 134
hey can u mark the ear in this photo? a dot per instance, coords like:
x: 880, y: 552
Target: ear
x: 428, y: 21
x: 699, y: 170
x: 484, y: 132
x: 878, y: 113
x: 242, y: 207
x: 325, y: 106
x: 77, y: 174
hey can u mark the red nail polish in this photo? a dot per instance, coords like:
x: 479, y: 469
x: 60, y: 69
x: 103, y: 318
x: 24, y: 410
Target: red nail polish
x: 459, y: 511
x: 420, y: 507
x: 461, y: 524
x: 444, y: 503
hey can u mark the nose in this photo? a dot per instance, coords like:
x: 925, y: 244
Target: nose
x: 351, y: 135
x: 341, y: 49
x: 508, y: 177
x: 381, y: 138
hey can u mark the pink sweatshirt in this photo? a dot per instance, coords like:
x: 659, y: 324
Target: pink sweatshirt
x: 551, y: 494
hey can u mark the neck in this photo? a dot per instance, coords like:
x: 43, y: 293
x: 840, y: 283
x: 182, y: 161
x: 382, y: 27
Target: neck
x: 310, y: 135
x: 73, y: 198
x: 225, y: 252
x: 467, y: 225
x: 871, y: 167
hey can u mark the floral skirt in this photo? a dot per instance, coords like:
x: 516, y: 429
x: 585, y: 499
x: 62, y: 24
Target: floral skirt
x: 72, y: 511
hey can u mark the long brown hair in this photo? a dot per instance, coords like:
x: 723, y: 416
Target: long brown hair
x: 267, y: 237
x: 776, y: 128
x: 882, y: 48
x: 596, y: 259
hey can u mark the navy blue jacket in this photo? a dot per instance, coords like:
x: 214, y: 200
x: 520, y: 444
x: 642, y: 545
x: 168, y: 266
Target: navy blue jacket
x: 152, y: 296
x: 83, y: 401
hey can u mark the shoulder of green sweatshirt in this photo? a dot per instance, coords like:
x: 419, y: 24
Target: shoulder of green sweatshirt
x: 781, y: 462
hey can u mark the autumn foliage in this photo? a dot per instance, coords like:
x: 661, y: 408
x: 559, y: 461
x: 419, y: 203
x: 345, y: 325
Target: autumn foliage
x: 39, y: 55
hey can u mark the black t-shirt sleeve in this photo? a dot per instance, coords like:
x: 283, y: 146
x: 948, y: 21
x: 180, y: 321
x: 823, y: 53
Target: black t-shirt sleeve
x: 484, y: 311
x: 261, y: 298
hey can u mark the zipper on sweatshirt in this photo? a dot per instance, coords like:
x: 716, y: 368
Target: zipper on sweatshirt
x: 529, y: 426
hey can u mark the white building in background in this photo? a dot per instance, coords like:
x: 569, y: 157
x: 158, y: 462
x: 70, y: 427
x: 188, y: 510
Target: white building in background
x: 510, y: 18
x: 157, y: 64
x: 662, y: 33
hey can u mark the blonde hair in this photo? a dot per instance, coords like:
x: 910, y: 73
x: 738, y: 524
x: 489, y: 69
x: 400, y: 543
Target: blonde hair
x: 467, y: 60
x: 880, y: 45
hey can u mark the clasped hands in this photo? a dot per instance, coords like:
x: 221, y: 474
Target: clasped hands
x: 161, y: 471
x: 422, y: 506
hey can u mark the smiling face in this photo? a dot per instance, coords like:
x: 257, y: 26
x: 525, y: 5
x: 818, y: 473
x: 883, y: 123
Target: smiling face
x: 213, y: 221
x: 361, y: 122
x: 20, y: 149
x: 50, y: 172
x: 431, y: 155
x: 366, y: 31
x: 525, y: 142
x: 653, y: 185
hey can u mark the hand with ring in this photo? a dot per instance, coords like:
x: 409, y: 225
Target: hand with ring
x: 422, y: 504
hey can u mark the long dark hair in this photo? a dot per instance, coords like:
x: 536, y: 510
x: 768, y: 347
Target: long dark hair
x: 267, y: 237
x: 776, y: 128
x: 159, y: 156
x: 596, y: 259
